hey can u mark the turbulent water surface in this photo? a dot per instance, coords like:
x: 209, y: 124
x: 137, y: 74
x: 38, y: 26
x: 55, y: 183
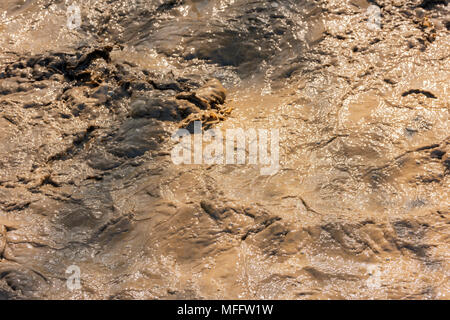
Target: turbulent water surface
x: 358, y: 209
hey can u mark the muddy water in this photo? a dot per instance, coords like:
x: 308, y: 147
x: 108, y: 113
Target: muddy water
x: 358, y: 209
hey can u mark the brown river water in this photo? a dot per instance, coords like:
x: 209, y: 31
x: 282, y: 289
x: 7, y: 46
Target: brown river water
x: 358, y: 207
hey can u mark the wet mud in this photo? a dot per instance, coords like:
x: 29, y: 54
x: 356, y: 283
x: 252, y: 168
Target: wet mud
x: 358, y: 210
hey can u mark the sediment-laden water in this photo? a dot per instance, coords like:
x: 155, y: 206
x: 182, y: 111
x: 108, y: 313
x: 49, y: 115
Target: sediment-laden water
x: 358, y: 92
